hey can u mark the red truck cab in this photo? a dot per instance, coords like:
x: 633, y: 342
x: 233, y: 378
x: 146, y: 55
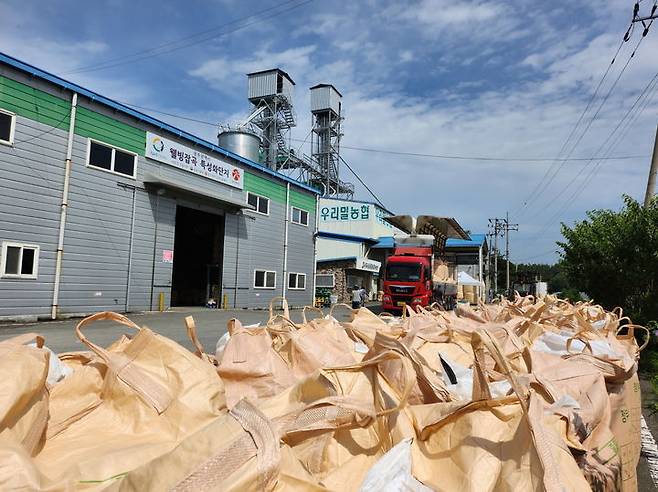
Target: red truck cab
x: 408, y: 279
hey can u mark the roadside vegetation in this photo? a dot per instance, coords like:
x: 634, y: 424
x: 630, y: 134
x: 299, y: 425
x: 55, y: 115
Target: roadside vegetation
x: 613, y: 258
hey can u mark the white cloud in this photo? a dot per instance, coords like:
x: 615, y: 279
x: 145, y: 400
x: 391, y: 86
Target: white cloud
x: 406, y: 56
x: 224, y: 73
x: 321, y: 24
x: 447, y: 14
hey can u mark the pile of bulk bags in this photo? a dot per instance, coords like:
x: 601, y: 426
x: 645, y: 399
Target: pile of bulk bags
x: 524, y: 395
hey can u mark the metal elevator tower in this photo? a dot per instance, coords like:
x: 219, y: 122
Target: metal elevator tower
x: 265, y: 135
x: 271, y: 93
x: 326, y: 108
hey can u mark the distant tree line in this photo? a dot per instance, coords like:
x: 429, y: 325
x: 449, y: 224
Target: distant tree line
x: 611, y: 257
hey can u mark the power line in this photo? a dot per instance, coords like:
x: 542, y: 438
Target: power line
x: 361, y: 181
x: 538, y: 190
x: 157, y: 51
x: 591, y: 120
x: 406, y: 154
x: 647, y: 93
x: 573, y: 130
x: 169, y: 43
x: 173, y: 115
x: 538, y: 255
x: 480, y: 158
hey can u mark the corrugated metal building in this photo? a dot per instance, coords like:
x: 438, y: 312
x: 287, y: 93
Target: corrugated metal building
x: 148, y: 210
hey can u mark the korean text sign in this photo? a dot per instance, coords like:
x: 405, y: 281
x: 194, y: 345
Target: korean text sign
x: 343, y: 213
x: 192, y: 160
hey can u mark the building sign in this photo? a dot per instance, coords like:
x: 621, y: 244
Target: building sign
x: 177, y: 155
x: 167, y: 256
x: 380, y: 218
x: 367, y: 264
x: 344, y: 213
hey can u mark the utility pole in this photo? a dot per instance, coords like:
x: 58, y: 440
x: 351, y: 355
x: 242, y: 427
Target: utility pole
x: 489, y: 283
x: 637, y: 18
x: 500, y: 226
x: 653, y: 170
x: 496, y: 226
x: 493, y: 272
x: 496, y: 259
x: 508, y: 227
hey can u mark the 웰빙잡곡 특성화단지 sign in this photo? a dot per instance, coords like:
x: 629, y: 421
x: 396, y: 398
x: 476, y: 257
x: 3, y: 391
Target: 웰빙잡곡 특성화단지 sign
x: 183, y: 157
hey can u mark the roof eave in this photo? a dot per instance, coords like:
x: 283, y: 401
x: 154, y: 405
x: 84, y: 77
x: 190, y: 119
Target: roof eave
x: 54, y: 79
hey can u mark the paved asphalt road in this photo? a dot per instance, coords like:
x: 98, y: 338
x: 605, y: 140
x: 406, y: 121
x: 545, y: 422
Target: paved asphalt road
x: 211, y: 324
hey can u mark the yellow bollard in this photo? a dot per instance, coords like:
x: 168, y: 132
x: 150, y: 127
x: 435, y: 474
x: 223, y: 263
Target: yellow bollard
x: 161, y: 302
x: 225, y: 301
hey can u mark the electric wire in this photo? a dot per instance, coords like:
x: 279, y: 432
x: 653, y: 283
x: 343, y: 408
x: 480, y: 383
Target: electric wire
x: 402, y: 153
x: 590, y: 122
x: 478, y: 158
x: 597, y: 166
x: 647, y: 93
x: 45, y: 132
x: 169, y: 43
x: 361, y: 181
x: 573, y: 130
x: 145, y: 54
x: 538, y: 255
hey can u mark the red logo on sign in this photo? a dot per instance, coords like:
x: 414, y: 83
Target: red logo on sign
x: 236, y: 174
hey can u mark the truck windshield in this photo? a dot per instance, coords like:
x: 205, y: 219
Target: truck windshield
x: 403, y: 272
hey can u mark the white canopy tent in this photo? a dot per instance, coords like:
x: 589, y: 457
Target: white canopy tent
x: 464, y: 278
x: 465, y: 283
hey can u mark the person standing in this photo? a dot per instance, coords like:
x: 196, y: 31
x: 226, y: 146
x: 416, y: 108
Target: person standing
x: 356, y: 297
x: 364, y: 295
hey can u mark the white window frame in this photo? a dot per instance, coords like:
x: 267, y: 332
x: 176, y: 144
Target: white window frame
x: 292, y: 209
x: 296, y: 281
x: 12, y: 128
x: 265, y: 279
x: 114, y: 149
x: 258, y: 202
x: 333, y: 280
x: 3, y: 260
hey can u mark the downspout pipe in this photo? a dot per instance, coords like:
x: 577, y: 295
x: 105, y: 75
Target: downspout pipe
x: 480, y: 272
x: 131, y: 247
x: 315, y: 248
x: 63, y: 208
x: 285, y: 241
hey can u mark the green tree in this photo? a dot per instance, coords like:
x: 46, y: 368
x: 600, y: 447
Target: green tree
x: 613, y: 257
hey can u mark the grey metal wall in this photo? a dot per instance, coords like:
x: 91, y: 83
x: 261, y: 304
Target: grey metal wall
x: 31, y: 174
x: 98, y: 230
x: 301, y: 259
x: 260, y: 246
x: 97, y: 241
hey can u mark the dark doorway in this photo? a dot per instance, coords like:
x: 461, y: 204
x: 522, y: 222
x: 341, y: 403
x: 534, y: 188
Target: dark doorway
x: 198, y: 254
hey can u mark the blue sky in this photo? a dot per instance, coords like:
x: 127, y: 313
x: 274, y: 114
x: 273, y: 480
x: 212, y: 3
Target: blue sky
x: 475, y: 78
